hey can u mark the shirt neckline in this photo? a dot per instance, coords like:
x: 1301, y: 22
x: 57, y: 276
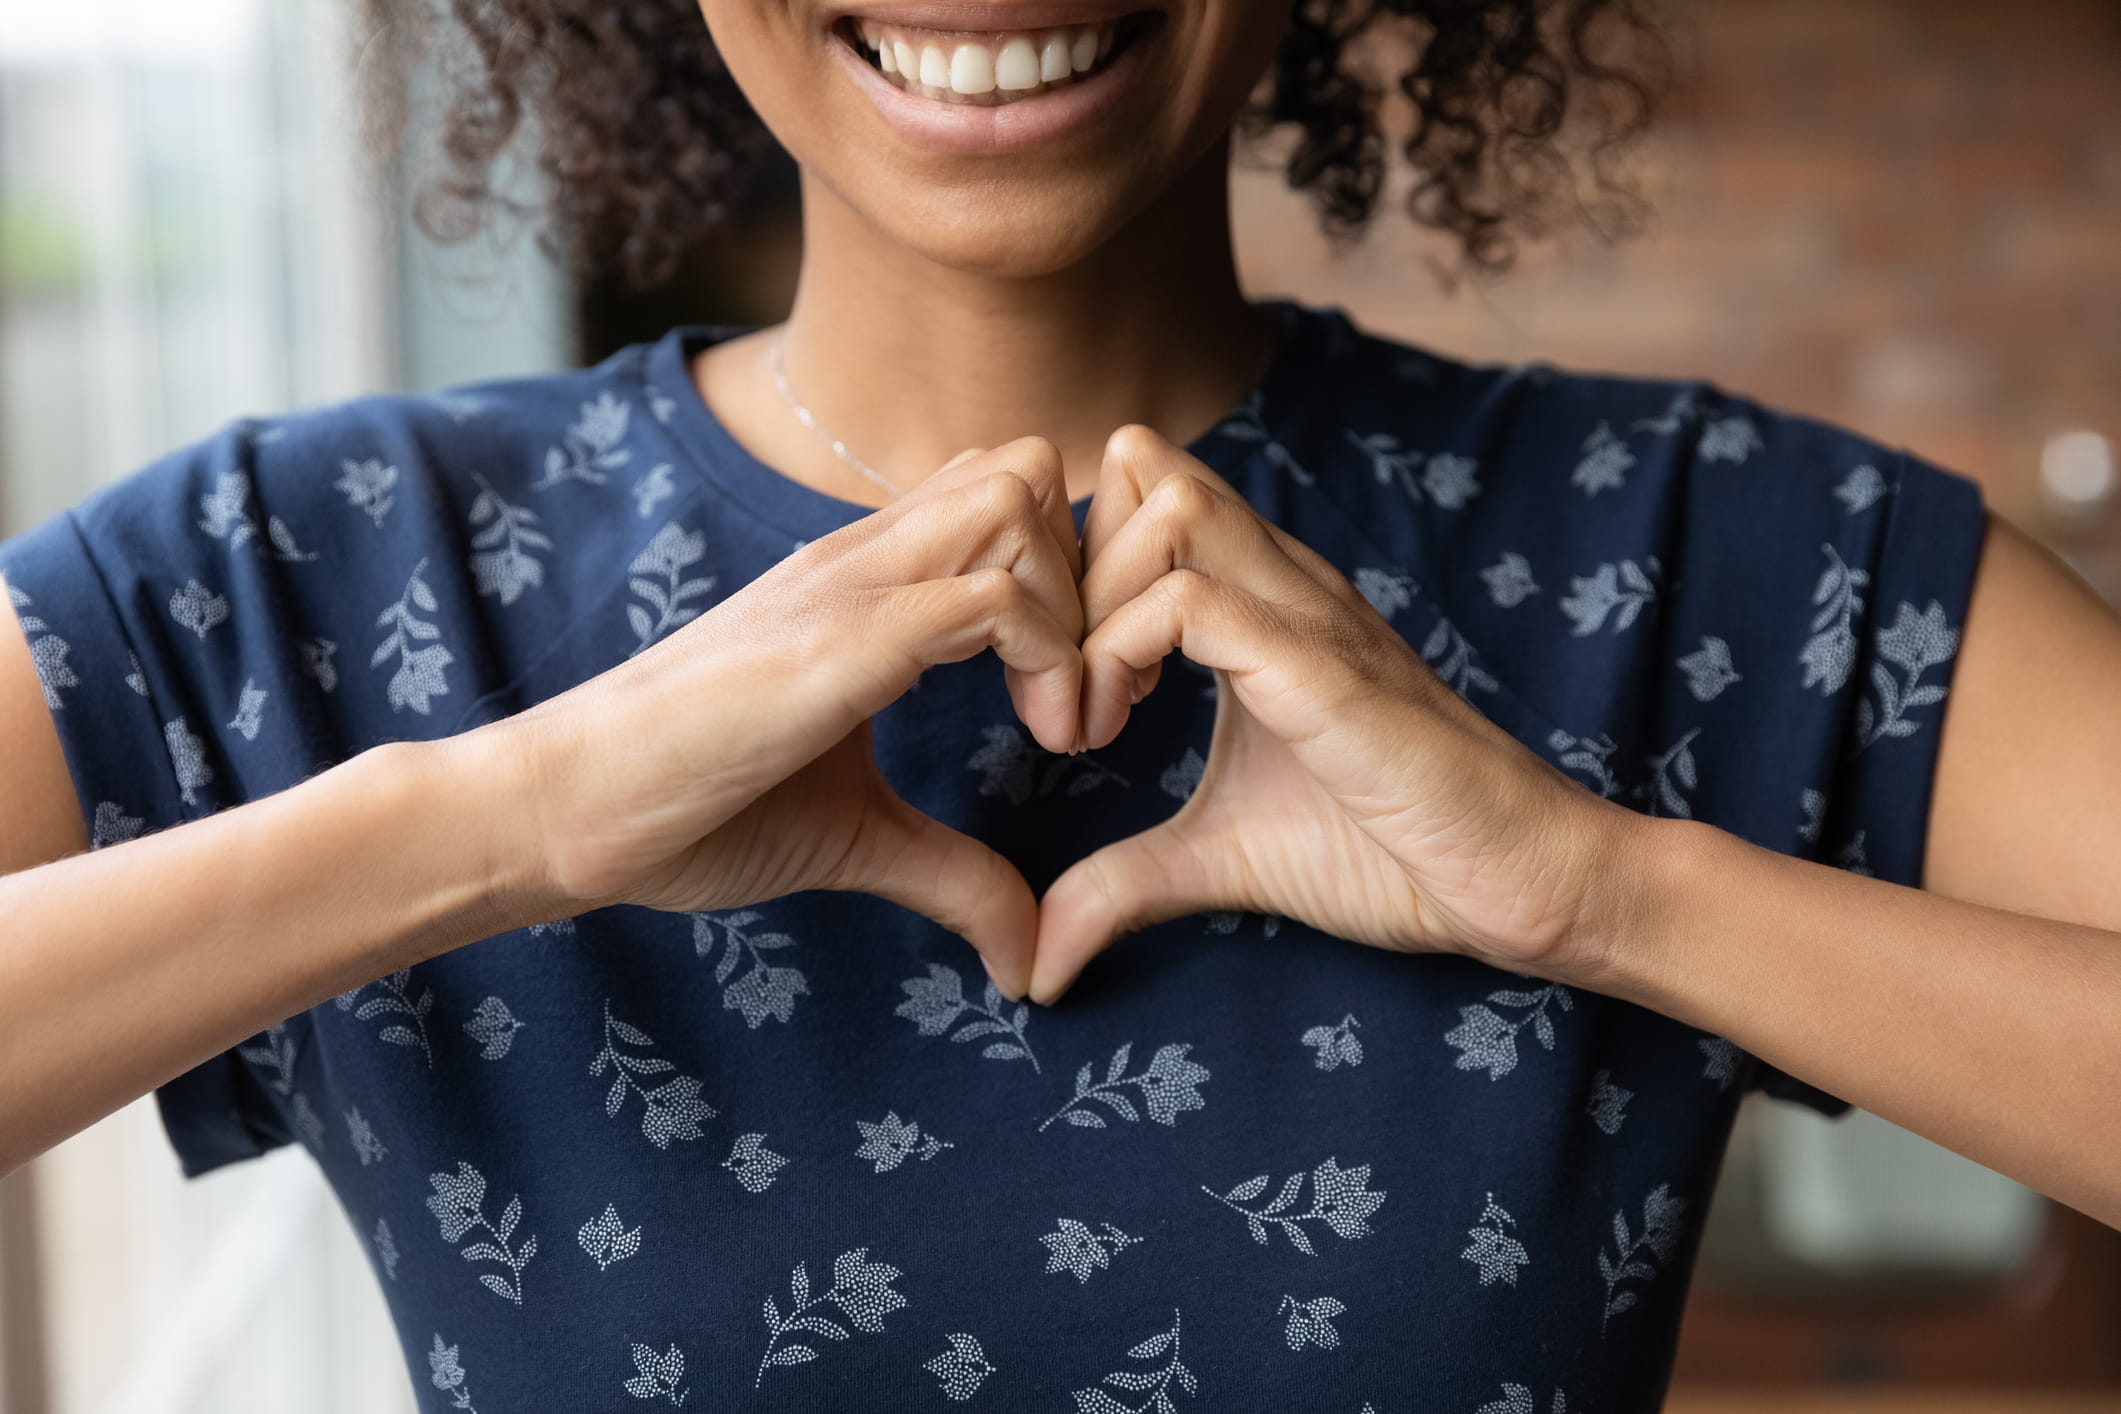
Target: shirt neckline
x: 807, y: 513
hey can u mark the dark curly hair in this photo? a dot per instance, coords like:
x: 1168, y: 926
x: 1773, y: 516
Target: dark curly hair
x: 1520, y: 111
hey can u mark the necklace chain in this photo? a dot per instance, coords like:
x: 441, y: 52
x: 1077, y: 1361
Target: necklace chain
x: 777, y: 358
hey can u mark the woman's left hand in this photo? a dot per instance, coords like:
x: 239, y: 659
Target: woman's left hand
x: 1346, y: 785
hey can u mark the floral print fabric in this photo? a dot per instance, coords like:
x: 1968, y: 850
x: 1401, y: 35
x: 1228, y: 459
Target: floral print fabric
x: 807, y: 1158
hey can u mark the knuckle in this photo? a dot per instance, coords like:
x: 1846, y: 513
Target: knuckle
x: 1187, y: 588
x: 1133, y: 443
x: 1009, y: 498
x: 1184, y: 497
x: 991, y: 588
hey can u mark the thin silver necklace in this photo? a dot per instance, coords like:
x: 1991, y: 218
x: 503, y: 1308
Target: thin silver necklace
x: 776, y: 357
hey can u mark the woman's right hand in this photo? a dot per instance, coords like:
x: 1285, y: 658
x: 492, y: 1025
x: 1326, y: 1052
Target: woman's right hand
x: 731, y: 762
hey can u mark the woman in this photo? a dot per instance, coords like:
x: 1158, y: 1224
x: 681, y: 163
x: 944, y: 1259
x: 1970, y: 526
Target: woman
x: 562, y: 805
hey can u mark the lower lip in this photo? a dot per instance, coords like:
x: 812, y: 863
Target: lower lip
x: 971, y: 130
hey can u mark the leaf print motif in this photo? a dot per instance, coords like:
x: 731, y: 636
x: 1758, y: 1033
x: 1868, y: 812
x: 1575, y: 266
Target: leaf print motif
x: 1661, y: 1214
x: 1014, y: 765
x: 187, y: 759
x: 661, y: 407
x: 1830, y: 652
x: 1917, y: 641
x: 890, y: 1141
x: 1447, y: 479
x: 1813, y: 803
x: 419, y: 676
x: 1486, y: 1041
x: 607, y: 1239
x: 1605, y: 462
x: 753, y: 1163
x: 1861, y: 489
x: 494, y: 1027
x: 861, y: 1289
x: 1224, y: 921
x: 1168, y: 1085
x: 1729, y: 439
x: 1249, y: 424
x: 249, y: 709
x: 673, y: 1109
x: 197, y: 608
x: 1509, y: 580
x: 386, y: 1248
x: 1494, y: 1250
x: 657, y: 1376
x: 557, y: 928
x: 1517, y: 1399
x: 1340, y: 1198
x: 1708, y: 669
x: 590, y: 447
x: 276, y: 1055
x: 1670, y: 772
x: 309, y: 1125
x: 1619, y: 588
x: 225, y: 513
x: 667, y: 556
x: 1181, y: 778
x: 962, y: 1368
x: 1387, y: 592
x: 1720, y: 1062
x: 1156, y: 1383
x: 1311, y: 1322
x: 459, y: 1205
x: 1682, y: 412
x: 1608, y: 1105
x: 1336, y: 1045
x: 113, y: 826
x: 1451, y: 657
x: 362, y: 1135
x: 765, y: 990
x: 1073, y: 1247
x: 136, y: 679
x: 654, y: 488
x: 395, y: 999
x: 1852, y: 858
x: 367, y: 486
x: 449, y: 1375
x: 935, y: 1003
x: 503, y: 561
x: 316, y: 661
x: 47, y: 651
x: 1590, y: 756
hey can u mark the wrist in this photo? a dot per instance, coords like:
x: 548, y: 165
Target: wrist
x: 1639, y: 895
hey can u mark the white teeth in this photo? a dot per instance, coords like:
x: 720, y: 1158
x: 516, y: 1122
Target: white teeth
x: 1084, y: 51
x: 1053, y: 59
x: 1016, y: 67
x: 887, y: 58
x: 935, y: 72
x: 972, y: 69
x: 909, y: 64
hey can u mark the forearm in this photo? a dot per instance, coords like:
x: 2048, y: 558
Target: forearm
x: 1993, y: 1033
x: 125, y: 967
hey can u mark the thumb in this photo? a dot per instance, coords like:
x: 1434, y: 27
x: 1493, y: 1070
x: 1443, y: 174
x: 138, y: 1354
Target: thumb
x: 918, y: 862
x: 1127, y: 885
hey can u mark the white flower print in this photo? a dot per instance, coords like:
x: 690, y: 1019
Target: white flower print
x: 461, y: 407
x: 1249, y: 424
x: 962, y: 1368
x: 1729, y: 439
x: 367, y: 486
x: 1861, y: 489
x: 362, y: 1135
x: 753, y: 1163
x: 494, y: 1027
x: 1224, y: 921
x: 1170, y: 1084
x: 198, y: 608
x: 1340, y: 1198
x: 1661, y: 1214
x: 1831, y: 650
x: 386, y: 1248
x: 1311, y: 1322
x: 1014, y: 765
x: 607, y: 1239
x: 1386, y: 592
x: 276, y: 1055
x: 1671, y: 771
x: 1605, y: 462
x: 668, y: 556
x: 658, y: 1376
x: 419, y: 676
x: 1589, y: 755
x: 47, y: 651
x: 660, y: 406
x: 1917, y: 641
x: 1608, y: 1105
x: 113, y: 826
x: 764, y: 990
x: 1494, y: 1250
x: 590, y: 447
x: 1720, y: 1060
x: 316, y: 661
x: 1336, y: 1045
x: 187, y: 759
x: 459, y: 1205
x: 309, y: 1125
x: 861, y: 1289
x: 1486, y: 1041
x: 449, y: 1375
x: 502, y: 560
x: 1708, y: 669
x: 1155, y: 1383
x: 1074, y: 1247
x: 1682, y: 411
x: 1509, y: 580
x: 1518, y: 1399
x: 395, y: 999
x: 672, y: 1110
x: 1852, y: 857
x: 557, y: 928
x: 1447, y: 479
x: 225, y: 513
x: 936, y: 1002
x: 888, y: 1142
x: 1623, y: 586
x: 250, y: 707
x: 1451, y: 657
x: 136, y: 679
x: 1813, y: 803
x: 1182, y: 777
x: 654, y: 488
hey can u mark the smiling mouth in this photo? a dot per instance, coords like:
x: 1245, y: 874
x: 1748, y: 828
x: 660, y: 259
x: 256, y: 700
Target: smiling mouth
x: 990, y: 68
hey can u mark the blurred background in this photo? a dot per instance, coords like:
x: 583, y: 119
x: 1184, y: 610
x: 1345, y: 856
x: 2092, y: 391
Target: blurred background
x: 1902, y: 215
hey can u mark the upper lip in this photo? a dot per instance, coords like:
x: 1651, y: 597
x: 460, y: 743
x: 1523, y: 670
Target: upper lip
x: 989, y: 16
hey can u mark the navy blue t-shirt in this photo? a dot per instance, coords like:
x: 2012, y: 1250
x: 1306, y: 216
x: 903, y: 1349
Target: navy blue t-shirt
x: 795, y: 1155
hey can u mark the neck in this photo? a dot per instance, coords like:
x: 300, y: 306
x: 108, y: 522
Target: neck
x: 908, y: 362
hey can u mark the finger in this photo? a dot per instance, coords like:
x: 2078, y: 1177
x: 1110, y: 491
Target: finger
x: 1128, y: 885
x: 1212, y: 622
x: 990, y: 608
x: 1037, y: 462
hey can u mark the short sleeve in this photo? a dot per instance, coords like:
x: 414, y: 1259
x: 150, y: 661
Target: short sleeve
x: 103, y: 592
